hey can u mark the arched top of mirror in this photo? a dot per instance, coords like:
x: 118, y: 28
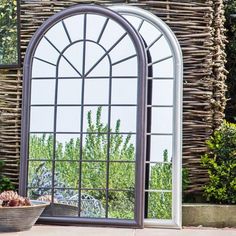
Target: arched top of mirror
x: 84, y: 41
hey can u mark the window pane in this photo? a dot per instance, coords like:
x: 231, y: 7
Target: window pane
x: 93, y: 204
x: 162, y: 92
x: 95, y: 119
x: 160, y: 176
x: 122, y: 147
x: 160, y: 49
x: 112, y: 33
x: 41, y: 146
x: 74, y: 60
x: 42, y: 91
x: 96, y: 91
x: 67, y: 197
x: 67, y: 146
x: 69, y: 91
x: 123, y: 119
x: 66, y: 174
x: 40, y: 175
x: 46, y: 51
x: 60, y: 210
x: 94, y: 175
x: 75, y: 22
x: 135, y: 21
x: 161, y: 148
x: 123, y: 50
x: 121, y: 204
x: 94, y: 147
x: 149, y: 32
x: 162, y: 120
x: 122, y: 176
x: 39, y: 194
x: 68, y: 119
x: 126, y: 68
x: 95, y: 24
x: 164, y: 68
x: 55, y: 33
x: 70, y: 64
x: 42, y: 69
x: 129, y: 91
x: 41, y: 119
x: 159, y: 205
x: 65, y: 203
x: 94, y: 60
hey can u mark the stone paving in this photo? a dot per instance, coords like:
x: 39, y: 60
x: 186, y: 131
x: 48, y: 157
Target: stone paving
x: 39, y: 230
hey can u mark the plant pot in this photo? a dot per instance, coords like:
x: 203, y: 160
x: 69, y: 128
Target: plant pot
x: 14, y: 219
x: 209, y: 215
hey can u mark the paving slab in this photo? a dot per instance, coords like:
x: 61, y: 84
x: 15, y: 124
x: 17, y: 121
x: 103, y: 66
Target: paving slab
x: 46, y: 230
x: 186, y: 232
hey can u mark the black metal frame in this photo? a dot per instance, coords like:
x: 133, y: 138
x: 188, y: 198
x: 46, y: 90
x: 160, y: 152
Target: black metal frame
x: 141, y: 114
x: 17, y: 64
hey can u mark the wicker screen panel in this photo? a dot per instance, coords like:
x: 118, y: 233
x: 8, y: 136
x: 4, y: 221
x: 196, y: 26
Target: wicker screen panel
x: 10, y: 121
x: 198, y: 26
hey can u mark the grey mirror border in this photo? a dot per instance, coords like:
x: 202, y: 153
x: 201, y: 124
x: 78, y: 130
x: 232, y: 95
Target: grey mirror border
x: 18, y: 60
x: 141, y: 117
x: 176, y: 221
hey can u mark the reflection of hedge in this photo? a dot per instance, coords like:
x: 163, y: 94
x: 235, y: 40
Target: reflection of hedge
x: 94, y: 174
x: 8, y: 32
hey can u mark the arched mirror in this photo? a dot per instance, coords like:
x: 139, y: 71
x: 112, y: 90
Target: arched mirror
x: 102, y: 106
x: 83, y: 130
x: 163, y: 195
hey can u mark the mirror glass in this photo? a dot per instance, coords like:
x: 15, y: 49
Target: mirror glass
x: 124, y: 118
x: 161, y: 148
x: 121, y: 204
x: 68, y: 119
x: 159, y: 200
x: 69, y: 91
x: 160, y: 118
x: 43, y: 92
x: 129, y: 91
x: 96, y: 91
x: 9, y: 42
x: 162, y: 92
x: 41, y: 119
x: 83, y: 120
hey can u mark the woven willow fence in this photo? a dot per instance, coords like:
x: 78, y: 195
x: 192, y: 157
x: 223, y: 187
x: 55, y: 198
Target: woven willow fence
x: 198, y: 26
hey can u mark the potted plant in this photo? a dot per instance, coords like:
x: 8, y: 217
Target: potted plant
x: 220, y: 191
x: 18, y: 213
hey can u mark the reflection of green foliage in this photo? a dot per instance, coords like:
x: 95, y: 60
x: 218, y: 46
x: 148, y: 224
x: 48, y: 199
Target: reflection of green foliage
x: 161, y: 174
x: 8, y: 31
x: 160, y: 203
x: 220, y: 161
x: 5, y: 183
x: 121, y: 174
x: 95, y: 148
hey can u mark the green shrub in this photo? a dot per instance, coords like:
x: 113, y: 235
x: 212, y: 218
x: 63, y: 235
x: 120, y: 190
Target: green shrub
x: 221, y: 164
x: 5, y: 183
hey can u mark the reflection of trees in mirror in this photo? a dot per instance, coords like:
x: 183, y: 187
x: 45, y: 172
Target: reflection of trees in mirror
x: 95, y: 148
x: 8, y: 32
x: 160, y: 203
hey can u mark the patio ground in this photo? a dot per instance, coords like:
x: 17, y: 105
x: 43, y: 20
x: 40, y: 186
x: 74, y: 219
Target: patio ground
x: 89, y: 231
